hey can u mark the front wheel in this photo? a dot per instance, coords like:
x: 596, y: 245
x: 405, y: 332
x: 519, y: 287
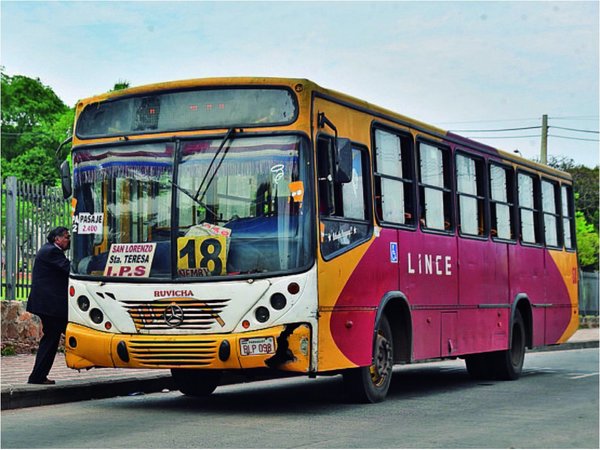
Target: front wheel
x: 196, y: 383
x: 371, y: 384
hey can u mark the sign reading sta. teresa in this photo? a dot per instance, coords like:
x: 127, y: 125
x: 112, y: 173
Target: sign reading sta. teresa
x: 130, y: 260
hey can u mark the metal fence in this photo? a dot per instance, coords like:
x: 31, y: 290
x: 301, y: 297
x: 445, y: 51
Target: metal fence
x: 588, y: 294
x: 29, y: 212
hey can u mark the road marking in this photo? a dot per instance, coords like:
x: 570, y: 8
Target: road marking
x: 585, y: 375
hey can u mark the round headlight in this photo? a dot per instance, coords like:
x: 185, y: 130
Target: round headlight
x: 261, y: 314
x: 83, y: 302
x: 278, y: 301
x: 96, y: 315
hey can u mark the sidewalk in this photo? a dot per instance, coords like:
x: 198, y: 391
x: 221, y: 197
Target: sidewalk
x: 72, y: 385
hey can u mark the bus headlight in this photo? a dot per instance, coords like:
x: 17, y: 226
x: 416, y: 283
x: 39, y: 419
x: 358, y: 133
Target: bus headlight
x: 96, y: 315
x: 262, y: 314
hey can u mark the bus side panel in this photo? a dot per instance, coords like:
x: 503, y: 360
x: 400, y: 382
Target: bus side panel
x: 428, y: 277
x: 526, y: 268
x: 562, y: 320
x: 352, y: 319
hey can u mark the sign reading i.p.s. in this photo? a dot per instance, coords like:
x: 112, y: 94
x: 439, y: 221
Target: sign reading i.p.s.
x: 130, y: 260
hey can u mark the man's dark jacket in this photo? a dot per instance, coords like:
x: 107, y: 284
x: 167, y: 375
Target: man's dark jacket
x: 49, y: 283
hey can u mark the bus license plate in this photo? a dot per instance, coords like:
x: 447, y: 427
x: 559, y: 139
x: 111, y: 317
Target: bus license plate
x: 257, y: 346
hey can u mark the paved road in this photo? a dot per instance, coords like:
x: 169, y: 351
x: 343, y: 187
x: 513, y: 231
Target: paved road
x: 554, y: 405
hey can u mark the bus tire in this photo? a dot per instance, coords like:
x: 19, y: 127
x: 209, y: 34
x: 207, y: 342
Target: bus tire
x: 508, y: 364
x: 371, y: 384
x: 479, y: 366
x: 502, y: 365
x: 196, y: 383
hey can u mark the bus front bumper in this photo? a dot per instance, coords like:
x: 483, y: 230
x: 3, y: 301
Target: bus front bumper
x: 285, y: 347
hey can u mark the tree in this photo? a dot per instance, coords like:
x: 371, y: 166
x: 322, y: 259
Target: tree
x: 585, y: 185
x: 587, y: 243
x: 27, y: 105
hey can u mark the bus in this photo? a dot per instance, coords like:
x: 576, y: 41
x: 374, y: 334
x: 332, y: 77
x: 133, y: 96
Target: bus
x: 269, y: 224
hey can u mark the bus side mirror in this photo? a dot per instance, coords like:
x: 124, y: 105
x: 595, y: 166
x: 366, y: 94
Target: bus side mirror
x: 343, y: 161
x: 65, y: 179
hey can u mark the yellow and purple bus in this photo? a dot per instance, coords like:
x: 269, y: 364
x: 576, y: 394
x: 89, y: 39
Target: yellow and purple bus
x: 233, y: 224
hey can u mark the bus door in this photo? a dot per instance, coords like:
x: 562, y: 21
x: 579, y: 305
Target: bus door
x: 483, y: 277
x: 428, y: 264
x: 347, y: 275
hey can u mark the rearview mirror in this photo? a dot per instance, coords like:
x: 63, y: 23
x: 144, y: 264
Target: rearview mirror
x: 343, y: 161
x: 65, y: 179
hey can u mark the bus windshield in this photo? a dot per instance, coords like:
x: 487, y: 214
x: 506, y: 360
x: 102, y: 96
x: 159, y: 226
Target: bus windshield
x: 194, y: 210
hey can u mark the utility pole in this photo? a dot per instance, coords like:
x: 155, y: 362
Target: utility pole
x: 544, y: 149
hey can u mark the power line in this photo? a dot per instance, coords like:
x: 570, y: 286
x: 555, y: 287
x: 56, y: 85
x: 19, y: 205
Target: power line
x: 496, y: 130
x: 575, y: 129
x: 504, y: 137
x: 573, y: 138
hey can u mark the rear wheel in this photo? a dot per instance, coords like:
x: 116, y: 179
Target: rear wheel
x: 508, y: 364
x: 371, y: 384
x: 502, y: 365
x: 196, y: 383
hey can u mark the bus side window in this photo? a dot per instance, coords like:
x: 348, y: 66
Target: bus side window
x: 435, y: 188
x: 529, y: 208
x: 394, y: 179
x: 501, y: 202
x: 551, y: 213
x: 343, y: 207
x: 568, y: 222
x: 471, y: 195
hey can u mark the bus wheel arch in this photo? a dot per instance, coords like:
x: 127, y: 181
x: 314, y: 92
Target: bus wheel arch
x: 395, y: 307
x: 392, y: 342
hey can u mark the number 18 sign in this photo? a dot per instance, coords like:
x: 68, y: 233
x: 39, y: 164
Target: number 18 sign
x: 201, y: 255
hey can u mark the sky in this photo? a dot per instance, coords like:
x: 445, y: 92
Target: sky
x: 471, y: 65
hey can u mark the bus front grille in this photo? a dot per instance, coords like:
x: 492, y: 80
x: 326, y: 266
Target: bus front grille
x: 170, y: 353
x: 176, y: 313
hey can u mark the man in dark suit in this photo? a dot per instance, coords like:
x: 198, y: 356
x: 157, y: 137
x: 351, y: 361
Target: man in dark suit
x: 48, y: 299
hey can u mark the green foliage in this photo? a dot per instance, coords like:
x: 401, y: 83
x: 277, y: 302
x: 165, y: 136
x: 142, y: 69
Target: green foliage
x: 34, y: 122
x: 585, y: 185
x: 120, y: 85
x: 35, y: 166
x: 587, y: 242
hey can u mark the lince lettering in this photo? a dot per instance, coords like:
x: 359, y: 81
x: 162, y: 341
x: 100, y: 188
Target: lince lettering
x: 427, y: 264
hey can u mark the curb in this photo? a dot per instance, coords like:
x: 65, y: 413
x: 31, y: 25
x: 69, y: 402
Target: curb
x: 26, y: 396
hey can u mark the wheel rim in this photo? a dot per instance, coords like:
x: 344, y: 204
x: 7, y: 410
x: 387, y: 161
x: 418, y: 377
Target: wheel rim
x: 382, y: 366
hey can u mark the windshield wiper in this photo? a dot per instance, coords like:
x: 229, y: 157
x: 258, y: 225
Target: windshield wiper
x: 203, y: 188
x: 190, y: 195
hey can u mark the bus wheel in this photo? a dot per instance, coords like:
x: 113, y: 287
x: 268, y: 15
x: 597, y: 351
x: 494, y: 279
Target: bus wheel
x: 508, y: 364
x: 479, y: 366
x: 502, y: 365
x: 196, y: 383
x: 371, y: 384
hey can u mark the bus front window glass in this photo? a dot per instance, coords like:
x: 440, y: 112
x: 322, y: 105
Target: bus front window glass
x: 250, y: 214
x: 122, y: 197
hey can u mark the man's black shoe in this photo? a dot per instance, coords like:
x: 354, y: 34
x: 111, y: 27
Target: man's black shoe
x: 46, y: 381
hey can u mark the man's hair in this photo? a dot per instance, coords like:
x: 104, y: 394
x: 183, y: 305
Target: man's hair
x: 58, y: 231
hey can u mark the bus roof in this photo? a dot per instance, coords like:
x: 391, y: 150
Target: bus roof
x: 331, y: 94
